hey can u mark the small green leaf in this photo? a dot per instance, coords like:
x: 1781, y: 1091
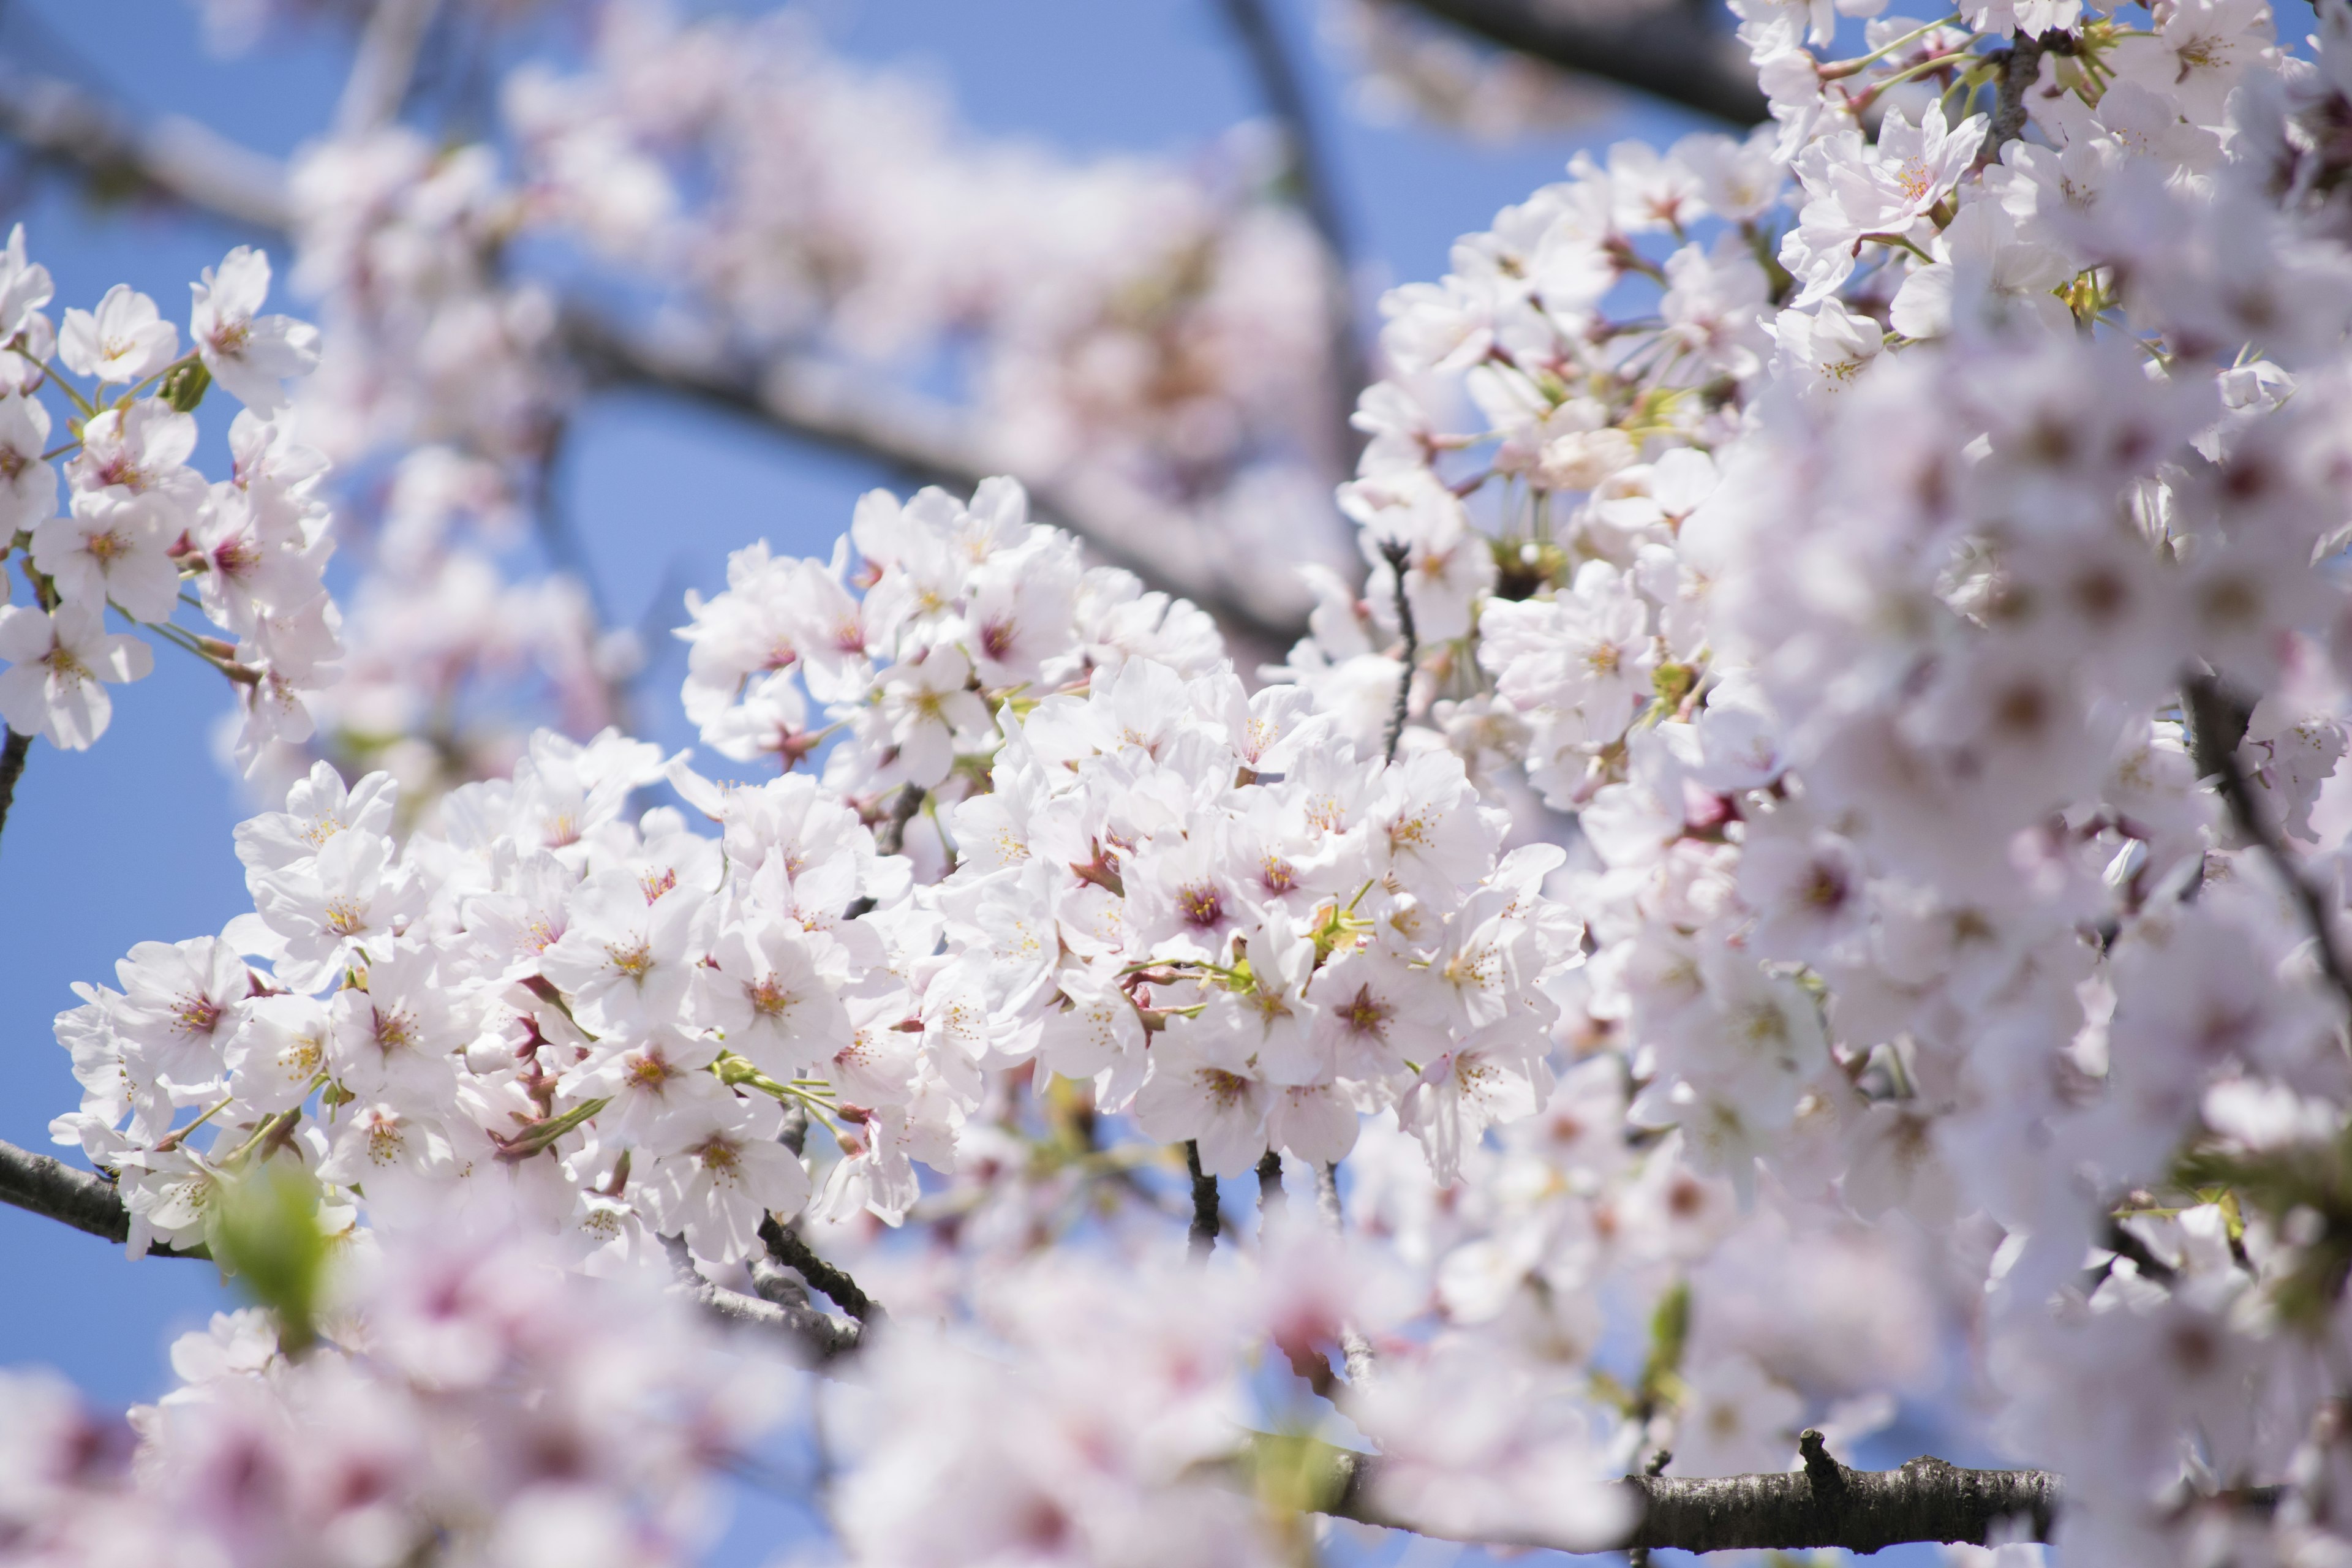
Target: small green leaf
x: 264, y: 1232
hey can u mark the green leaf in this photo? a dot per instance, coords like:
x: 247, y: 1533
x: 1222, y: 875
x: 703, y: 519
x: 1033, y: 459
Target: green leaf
x: 264, y: 1232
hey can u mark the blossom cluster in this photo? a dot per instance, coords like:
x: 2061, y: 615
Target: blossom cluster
x: 1876, y: 593
x: 545, y: 1001
x: 1818, y: 842
x: 469, y: 1403
x: 139, y: 520
x: 827, y: 236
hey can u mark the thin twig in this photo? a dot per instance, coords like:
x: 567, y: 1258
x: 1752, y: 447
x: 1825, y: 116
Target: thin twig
x: 1396, y: 554
x: 926, y: 442
x: 2216, y: 721
x: 1203, y: 1239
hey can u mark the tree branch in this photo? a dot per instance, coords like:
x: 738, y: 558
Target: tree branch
x: 1285, y: 94
x: 825, y: 1338
x: 916, y: 437
x: 1394, y: 551
x: 1824, y: 1505
x: 1202, y: 1239
x: 791, y: 1250
x: 2217, y: 723
x: 383, y: 65
x: 178, y: 159
x: 49, y: 1188
x: 1673, y: 51
x: 12, y: 768
x: 926, y: 442
x: 88, y: 1202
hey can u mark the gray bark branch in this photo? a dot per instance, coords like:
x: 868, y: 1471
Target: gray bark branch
x: 1673, y: 52
x: 1824, y: 1505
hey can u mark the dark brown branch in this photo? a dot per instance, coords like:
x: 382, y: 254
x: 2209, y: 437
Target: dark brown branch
x: 1205, y: 1222
x: 49, y: 1188
x: 2020, y: 64
x: 2216, y: 721
x: 12, y: 768
x: 1674, y: 51
x: 788, y: 1248
x: 1271, y: 1198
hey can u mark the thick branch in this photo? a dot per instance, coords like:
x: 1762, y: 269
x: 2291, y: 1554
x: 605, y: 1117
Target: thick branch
x: 55, y: 1190
x: 1825, y: 1504
x: 1673, y: 51
x: 2021, y: 64
x: 825, y: 1338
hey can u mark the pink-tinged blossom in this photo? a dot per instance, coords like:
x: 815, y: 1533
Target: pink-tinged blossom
x: 29, y: 483
x: 250, y: 354
x: 110, y: 550
x: 122, y: 342
x: 58, y: 664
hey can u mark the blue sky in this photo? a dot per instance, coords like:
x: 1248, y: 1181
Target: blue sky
x: 131, y: 841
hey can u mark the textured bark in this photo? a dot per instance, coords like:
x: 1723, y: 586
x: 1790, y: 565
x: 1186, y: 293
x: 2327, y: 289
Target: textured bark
x: 1206, y: 1221
x: 12, y: 768
x: 2021, y: 64
x: 1398, y: 558
x: 55, y: 1190
x: 788, y: 1248
x: 1674, y: 51
x: 1825, y: 1504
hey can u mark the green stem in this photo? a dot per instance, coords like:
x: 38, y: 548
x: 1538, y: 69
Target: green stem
x: 1837, y: 69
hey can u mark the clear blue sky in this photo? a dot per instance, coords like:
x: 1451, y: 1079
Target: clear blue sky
x: 131, y: 840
